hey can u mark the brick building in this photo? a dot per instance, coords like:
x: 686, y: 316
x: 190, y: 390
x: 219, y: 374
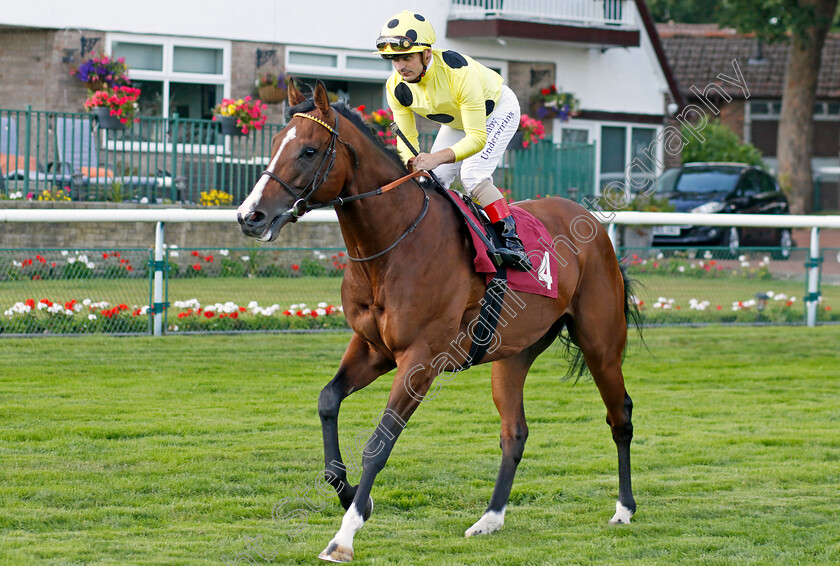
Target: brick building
x: 698, y: 53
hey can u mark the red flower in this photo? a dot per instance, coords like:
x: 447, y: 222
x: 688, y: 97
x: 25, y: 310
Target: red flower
x: 545, y: 92
x: 234, y: 315
x: 789, y: 304
x: 209, y: 259
x: 287, y: 312
x: 116, y: 254
x: 295, y: 266
x: 208, y: 314
x: 53, y: 264
x: 195, y: 253
x: 105, y: 256
x: 719, y: 307
x: 30, y: 303
x: 42, y: 259
x: 340, y: 254
x: 360, y: 108
x: 129, y: 268
x: 242, y: 309
x: 828, y: 308
x: 197, y: 267
x: 36, y: 277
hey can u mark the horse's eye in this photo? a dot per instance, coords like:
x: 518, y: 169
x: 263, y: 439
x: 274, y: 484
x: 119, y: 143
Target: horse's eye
x: 308, y: 152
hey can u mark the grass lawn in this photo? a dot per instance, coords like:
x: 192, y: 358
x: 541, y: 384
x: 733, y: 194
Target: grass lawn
x: 174, y: 450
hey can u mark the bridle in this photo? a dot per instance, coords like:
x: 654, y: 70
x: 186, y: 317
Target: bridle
x: 301, y: 205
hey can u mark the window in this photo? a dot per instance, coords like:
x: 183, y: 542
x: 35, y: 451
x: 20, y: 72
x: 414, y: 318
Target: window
x: 180, y: 76
x: 627, y: 156
x: 574, y: 136
x: 356, y: 77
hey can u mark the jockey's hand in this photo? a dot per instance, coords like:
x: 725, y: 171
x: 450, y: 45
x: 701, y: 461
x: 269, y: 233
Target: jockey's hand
x: 428, y: 161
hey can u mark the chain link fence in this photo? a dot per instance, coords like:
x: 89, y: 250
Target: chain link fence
x: 95, y: 290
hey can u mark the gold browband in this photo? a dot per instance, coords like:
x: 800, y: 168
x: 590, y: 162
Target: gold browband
x: 314, y: 119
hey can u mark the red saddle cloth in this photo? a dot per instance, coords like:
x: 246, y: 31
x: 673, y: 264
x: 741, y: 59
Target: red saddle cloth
x: 542, y: 279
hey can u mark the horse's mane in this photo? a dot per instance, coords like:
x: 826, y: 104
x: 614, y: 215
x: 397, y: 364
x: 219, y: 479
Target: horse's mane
x: 356, y: 119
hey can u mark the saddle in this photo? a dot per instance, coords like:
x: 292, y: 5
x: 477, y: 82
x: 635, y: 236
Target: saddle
x: 540, y: 280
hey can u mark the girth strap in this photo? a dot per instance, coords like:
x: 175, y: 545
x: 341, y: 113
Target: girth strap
x: 488, y: 318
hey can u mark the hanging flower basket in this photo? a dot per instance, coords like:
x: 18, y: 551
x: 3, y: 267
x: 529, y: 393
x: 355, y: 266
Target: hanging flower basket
x: 272, y: 94
x: 271, y: 87
x: 106, y: 121
x: 228, y: 125
x: 95, y: 85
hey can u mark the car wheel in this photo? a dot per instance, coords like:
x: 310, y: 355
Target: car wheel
x: 732, y: 240
x: 785, y: 245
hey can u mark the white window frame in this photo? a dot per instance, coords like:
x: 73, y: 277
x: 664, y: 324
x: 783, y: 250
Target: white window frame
x: 595, y: 138
x: 167, y: 75
x: 340, y: 71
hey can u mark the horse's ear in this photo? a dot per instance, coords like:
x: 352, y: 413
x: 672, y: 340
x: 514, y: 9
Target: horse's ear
x: 322, y: 99
x: 295, y: 96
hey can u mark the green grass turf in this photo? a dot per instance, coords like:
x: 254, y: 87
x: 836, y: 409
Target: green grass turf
x: 174, y: 450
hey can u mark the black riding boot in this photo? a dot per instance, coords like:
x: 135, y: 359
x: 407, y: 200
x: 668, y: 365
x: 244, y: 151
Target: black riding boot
x: 513, y: 254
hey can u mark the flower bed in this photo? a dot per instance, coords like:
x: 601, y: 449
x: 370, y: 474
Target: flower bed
x: 88, y: 316
x: 192, y: 316
x: 681, y: 266
x: 778, y: 308
x: 74, y: 264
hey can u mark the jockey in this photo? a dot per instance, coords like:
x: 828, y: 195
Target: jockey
x: 478, y: 116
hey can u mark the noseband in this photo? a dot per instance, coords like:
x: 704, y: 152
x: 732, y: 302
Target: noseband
x: 301, y: 205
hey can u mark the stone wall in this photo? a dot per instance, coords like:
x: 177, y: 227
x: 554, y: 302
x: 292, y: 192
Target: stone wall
x: 142, y: 234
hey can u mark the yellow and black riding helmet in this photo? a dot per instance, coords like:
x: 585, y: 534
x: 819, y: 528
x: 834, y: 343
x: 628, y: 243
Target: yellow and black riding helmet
x: 407, y: 32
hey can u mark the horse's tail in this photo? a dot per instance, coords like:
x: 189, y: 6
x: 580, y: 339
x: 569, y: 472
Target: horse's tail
x: 574, y: 355
x: 631, y: 307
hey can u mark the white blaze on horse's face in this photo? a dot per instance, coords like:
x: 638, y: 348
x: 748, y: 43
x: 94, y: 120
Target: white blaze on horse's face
x: 253, y: 199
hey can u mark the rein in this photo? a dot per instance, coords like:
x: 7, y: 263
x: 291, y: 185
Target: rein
x: 301, y: 205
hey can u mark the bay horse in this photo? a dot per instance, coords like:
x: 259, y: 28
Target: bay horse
x: 411, y: 239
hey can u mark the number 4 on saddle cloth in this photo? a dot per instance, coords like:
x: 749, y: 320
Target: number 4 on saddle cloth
x: 542, y: 279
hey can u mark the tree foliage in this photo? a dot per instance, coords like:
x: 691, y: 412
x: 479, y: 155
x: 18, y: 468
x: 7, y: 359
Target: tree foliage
x: 722, y: 144
x: 770, y: 20
x: 685, y: 11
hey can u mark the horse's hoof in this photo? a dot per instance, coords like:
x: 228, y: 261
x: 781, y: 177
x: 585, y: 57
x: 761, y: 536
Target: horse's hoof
x: 368, y: 509
x: 490, y: 522
x: 336, y: 553
x: 622, y: 514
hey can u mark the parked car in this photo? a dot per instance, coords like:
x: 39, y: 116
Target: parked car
x: 723, y: 188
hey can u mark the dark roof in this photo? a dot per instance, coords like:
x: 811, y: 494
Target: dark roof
x: 697, y: 53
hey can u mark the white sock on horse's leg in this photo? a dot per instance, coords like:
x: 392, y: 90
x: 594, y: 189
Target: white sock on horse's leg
x: 490, y: 522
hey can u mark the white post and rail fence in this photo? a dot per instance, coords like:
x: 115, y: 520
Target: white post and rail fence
x: 159, y: 217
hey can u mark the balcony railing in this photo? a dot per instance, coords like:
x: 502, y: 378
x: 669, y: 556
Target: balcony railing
x: 595, y: 13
